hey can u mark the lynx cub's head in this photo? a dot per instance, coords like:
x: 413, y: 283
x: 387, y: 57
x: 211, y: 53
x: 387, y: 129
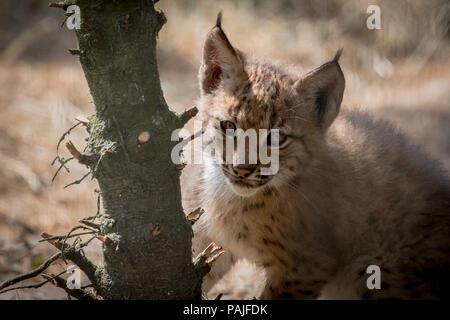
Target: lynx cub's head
x: 238, y: 92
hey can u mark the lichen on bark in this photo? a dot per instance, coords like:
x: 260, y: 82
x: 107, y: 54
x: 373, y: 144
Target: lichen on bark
x: 139, y: 183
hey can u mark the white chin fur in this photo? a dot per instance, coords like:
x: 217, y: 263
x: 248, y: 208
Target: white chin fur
x: 243, y: 191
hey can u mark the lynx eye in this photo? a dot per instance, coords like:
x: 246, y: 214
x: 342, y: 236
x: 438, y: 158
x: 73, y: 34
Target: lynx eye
x: 282, y: 138
x: 227, y: 125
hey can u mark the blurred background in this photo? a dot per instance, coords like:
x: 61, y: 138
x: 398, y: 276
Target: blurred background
x: 400, y: 73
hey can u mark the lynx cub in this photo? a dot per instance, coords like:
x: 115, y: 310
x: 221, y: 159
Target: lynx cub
x: 350, y: 192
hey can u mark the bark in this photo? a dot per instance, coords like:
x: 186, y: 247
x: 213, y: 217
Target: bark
x: 148, y: 248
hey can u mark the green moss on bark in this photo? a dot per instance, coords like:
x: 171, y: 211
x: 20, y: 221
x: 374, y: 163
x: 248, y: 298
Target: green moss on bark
x: 139, y: 184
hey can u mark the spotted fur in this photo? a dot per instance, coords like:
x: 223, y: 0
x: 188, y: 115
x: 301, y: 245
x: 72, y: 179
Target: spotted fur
x: 351, y: 190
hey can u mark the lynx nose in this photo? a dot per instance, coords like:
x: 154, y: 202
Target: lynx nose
x: 242, y: 171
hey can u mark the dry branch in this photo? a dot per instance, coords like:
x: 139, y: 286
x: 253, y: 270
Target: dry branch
x: 181, y: 166
x: 32, y: 286
x: 50, y: 240
x: 188, y: 114
x: 206, y: 258
x: 74, y: 253
x: 32, y: 273
x: 83, y: 120
x: 195, y: 215
x: 59, y: 5
x: 90, y: 224
x: 82, y: 158
x: 59, y: 238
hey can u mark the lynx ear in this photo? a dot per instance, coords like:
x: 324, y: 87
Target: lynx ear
x: 220, y: 59
x: 321, y: 92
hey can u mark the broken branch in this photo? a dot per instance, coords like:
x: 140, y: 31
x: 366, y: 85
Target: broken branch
x: 71, y: 236
x: 74, y: 254
x: 90, y: 224
x: 62, y: 162
x: 59, y: 5
x: 82, y: 158
x: 143, y: 138
x: 33, y: 286
x: 83, y: 120
x: 49, y: 239
x: 195, y: 215
x: 203, y: 262
x: 79, y: 180
x: 188, y: 114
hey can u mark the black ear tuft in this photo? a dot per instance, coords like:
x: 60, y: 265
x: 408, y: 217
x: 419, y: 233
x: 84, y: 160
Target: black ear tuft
x: 337, y: 55
x: 219, y: 20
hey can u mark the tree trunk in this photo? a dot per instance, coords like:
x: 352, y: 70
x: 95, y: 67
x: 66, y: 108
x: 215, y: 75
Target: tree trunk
x: 148, y: 247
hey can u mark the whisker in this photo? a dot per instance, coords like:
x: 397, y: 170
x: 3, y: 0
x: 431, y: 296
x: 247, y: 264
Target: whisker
x: 300, y: 118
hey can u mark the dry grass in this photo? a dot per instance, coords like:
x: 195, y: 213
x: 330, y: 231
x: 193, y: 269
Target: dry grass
x: 400, y: 73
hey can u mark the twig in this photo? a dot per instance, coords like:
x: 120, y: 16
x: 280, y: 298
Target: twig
x: 203, y: 262
x: 32, y: 273
x: 63, y: 237
x: 33, y: 286
x: 79, y: 294
x: 84, y: 244
x: 63, y: 162
x: 74, y: 254
x: 66, y: 16
x: 64, y: 243
x: 156, y: 231
x: 82, y: 158
x: 90, y: 224
x: 64, y: 136
x: 59, y: 5
x: 84, y: 121
x: 77, y: 52
x: 79, y: 180
x: 188, y: 114
x: 183, y: 143
x: 180, y: 166
x: 98, y: 202
x: 108, y: 242
x: 195, y: 215
x: 48, y: 238
x: 104, y: 153
x: 143, y: 138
